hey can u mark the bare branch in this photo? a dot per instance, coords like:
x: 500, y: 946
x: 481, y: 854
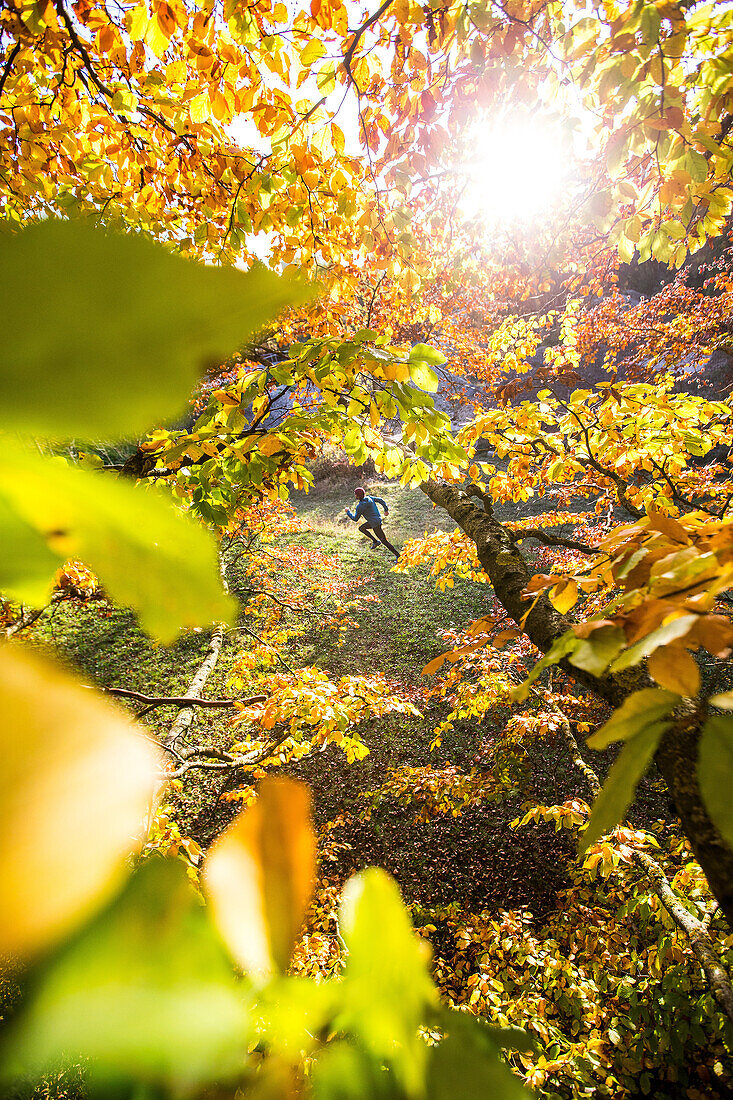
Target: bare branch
x: 152, y: 701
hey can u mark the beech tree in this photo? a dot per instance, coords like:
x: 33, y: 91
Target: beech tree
x: 203, y: 128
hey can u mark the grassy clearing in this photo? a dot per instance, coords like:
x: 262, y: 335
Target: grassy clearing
x: 399, y: 635
x: 472, y: 858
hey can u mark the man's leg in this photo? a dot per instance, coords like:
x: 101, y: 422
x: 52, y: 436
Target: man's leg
x: 367, y: 532
x: 383, y: 538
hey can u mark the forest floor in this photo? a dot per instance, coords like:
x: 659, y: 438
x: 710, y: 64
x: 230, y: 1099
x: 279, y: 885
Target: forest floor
x: 475, y: 858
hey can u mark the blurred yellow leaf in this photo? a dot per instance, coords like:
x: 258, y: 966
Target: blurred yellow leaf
x: 76, y: 786
x: 259, y: 876
x: 675, y: 669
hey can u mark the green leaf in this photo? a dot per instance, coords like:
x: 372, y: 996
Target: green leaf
x: 148, y: 555
x: 344, y: 1072
x: 387, y: 988
x: 715, y: 772
x: 426, y: 354
x: 111, y: 332
x: 640, y: 710
x: 27, y: 564
x: 146, y: 990
x: 663, y: 635
x: 466, y: 1064
x: 596, y: 651
x: 618, y: 791
x: 423, y: 377
x: 567, y: 643
x: 293, y: 1012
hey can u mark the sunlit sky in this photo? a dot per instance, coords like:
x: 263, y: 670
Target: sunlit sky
x: 519, y: 169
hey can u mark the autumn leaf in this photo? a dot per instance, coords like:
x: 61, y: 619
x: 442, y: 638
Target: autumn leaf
x: 675, y: 669
x: 78, y: 782
x: 259, y: 876
x: 128, y: 326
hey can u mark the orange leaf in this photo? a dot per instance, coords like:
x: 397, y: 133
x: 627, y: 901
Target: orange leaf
x: 259, y: 876
x: 675, y: 669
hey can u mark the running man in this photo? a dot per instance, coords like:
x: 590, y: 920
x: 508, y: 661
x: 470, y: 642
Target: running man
x: 372, y: 525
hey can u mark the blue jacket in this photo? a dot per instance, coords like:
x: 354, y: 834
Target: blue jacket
x: 367, y: 508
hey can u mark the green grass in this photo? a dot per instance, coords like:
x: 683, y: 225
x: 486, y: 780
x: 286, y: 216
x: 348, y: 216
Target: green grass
x: 399, y: 635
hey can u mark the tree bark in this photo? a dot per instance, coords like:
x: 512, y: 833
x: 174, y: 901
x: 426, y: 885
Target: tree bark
x: 676, y: 758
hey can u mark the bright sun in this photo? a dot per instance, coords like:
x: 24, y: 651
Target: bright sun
x: 518, y: 170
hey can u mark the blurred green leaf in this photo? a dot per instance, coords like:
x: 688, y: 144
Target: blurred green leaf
x: 715, y: 772
x: 27, y: 563
x: 292, y: 1012
x: 387, y: 988
x: 148, y: 555
x: 110, y: 332
x: 466, y: 1065
x: 344, y: 1072
x: 618, y: 791
x: 145, y: 992
x: 636, y: 713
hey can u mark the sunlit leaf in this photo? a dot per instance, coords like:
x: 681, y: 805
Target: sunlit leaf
x: 110, y: 332
x: 27, y: 563
x: 76, y: 785
x: 292, y: 1012
x: 615, y: 798
x: 426, y: 354
x: 387, y: 986
x: 259, y: 876
x: 423, y: 377
x: 145, y: 991
x: 147, y: 554
x: 715, y: 772
x: 639, y: 710
x: 564, y: 596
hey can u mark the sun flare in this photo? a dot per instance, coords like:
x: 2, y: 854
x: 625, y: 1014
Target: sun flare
x: 517, y: 171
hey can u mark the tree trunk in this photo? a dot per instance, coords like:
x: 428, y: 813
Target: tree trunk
x: 506, y: 567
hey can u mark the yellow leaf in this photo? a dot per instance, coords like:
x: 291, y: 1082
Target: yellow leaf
x: 312, y: 52
x: 200, y: 108
x: 564, y: 596
x: 675, y: 669
x: 259, y: 876
x: 76, y: 787
x: 270, y: 445
x: 155, y: 38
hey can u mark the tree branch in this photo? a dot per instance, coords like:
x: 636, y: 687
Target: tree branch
x: 676, y: 757
x: 151, y: 701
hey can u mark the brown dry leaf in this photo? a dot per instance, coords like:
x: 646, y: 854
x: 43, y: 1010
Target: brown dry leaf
x: 675, y: 669
x: 77, y: 784
x: 259, y: 876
